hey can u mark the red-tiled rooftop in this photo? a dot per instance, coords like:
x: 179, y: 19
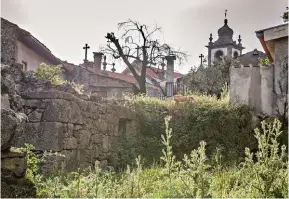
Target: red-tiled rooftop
x: 152, y: 73
x: 127, y: 78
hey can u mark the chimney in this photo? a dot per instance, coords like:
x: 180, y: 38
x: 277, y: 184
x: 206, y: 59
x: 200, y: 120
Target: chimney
x: 97, y: 62
x: 170, y: 75
x: 162, y: 72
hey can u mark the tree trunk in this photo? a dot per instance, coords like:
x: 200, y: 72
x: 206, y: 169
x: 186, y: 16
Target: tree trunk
x: 142, y: 84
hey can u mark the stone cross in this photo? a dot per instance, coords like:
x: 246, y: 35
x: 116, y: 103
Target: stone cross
x: 85, y: 48
x: 201, y: 56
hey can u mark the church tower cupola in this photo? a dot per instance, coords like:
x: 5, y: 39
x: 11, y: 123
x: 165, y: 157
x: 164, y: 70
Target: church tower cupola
x: 224, y: 45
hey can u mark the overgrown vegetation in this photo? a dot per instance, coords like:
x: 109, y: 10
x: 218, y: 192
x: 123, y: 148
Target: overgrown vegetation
x: 210, y: 79
x: 262, y: 174
x: 49, y: 72
x: 53, y: 74
x: 222, y: 125
x: 264, y: 62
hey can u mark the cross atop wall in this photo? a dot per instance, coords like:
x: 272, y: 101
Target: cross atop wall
x: 85, y: 48
x: 201, y: 56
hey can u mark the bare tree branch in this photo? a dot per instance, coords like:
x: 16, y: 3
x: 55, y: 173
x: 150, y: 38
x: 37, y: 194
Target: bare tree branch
x: 137, y: 42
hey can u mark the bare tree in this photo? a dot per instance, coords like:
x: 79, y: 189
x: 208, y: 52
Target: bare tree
x: 138, y: 43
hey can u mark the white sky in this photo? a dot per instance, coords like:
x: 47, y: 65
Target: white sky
x: 64, y: 26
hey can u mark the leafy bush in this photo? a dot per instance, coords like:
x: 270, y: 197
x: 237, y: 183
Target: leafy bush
x: 32, y: 162
x: 53, y: 74
x: 220, y: 124
x: 210, y: 79
x: 194, y: 176
x: 264, y: 62
x: 49, y: 72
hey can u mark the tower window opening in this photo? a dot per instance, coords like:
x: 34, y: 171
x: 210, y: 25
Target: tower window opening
x: 218, y: 55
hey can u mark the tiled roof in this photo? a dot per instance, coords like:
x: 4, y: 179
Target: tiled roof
x: 152, y: 72
x: 87, y: 64
x: 251, y: 58
x: 127, y: 78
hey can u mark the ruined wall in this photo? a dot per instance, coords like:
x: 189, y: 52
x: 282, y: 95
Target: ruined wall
x: 67, y: 128
x: 245, y: 86
x: 98, y: 83
x: 280, y: 68
x: 267, y: 89
x: 83, y: 131
x: 8, y: 42
x: 13, y: 160
x: 253, y: 86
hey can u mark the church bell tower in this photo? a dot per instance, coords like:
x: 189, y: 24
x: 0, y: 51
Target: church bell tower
x: 224, y: 45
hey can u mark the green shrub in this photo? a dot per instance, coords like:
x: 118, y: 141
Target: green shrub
x: 33, y: 163
x: 49, y: 72
x: 53, y: 74
x: 218, y: 123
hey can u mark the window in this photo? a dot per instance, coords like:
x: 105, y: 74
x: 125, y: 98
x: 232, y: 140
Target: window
x: 218, y: 55
x: 24, y: 66
x: 235, y: 54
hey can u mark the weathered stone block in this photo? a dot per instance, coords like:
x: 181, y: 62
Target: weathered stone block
x: 105, y: 144
x: 14, y: 161
x: 102, y: 125
x: 52, y: 162
x: 68, y: 130
x: 70, y: 143
x: 59, y: 110
x: 95, y: 139
x: 43, y: 136
x: 77, y: 127
x: 34, y: 103
x: 35, y: 116
x: 83, y: 139
x: 91, y: 154
x: 12, y: 127
x: 5, y: 101
x: 71, y: 161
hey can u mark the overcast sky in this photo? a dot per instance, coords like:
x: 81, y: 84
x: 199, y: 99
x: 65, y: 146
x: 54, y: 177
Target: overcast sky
x: 64, y: 26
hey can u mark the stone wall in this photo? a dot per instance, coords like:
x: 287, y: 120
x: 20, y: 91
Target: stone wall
x: 280, y: 72
x: 8, y: 42
x: 13, y: 160
x: 83, y: 131
x: 101, y: 84
x: 252, y: 86
x: 67, y: 128
x: 245, y: 86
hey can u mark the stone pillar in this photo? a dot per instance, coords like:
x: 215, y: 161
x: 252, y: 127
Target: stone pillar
x: 230, y: 52
x: 97, y: 61
x: 170, y: 75
x: 162, y: 73
x: 209, y: 56
x: 267, y: 89
x: 240, y: 82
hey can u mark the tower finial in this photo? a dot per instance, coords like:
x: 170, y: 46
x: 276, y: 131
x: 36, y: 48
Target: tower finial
x: 226, y: 20
x: 211, y: 37
x: 239, y: 40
